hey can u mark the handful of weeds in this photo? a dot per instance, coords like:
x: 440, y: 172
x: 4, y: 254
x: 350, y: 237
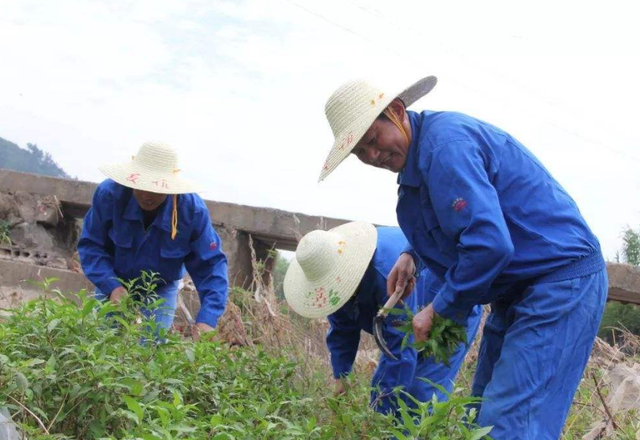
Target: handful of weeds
x: 444, y: 339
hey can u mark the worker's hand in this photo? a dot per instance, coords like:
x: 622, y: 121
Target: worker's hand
x: 117, y: 294
x: 199, y: 329
x: 402, y: 276
x: 422, y: 323
x: 339, y: 389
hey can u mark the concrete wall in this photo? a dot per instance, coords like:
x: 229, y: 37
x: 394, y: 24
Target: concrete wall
x: 272, y: 226
x: 624, y: 283
x: 237, y: 226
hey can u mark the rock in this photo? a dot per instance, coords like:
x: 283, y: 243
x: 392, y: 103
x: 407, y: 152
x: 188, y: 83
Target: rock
x: 57, y: 263
x: 624, y: 283
x: 48, y: 211
x: 8, y: 429
x: 9, y: 211
x: 32, y: 236
x: 26, y: 205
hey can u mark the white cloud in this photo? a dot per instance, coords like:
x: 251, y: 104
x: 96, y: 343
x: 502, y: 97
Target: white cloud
x: 240, y: 87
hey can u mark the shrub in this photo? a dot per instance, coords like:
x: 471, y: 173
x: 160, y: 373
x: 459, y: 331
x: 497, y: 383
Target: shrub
x: 66, y: 371
x: 617, y: 317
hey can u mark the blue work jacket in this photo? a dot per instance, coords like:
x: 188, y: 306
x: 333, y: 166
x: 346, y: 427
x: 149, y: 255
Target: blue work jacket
x: 114, y: 244
x: 482, y: 212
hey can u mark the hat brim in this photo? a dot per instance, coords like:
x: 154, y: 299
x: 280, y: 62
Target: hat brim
x: 344, y: 144
x: 417, y: 90
x: 339, y: 285
x: 136, y: 177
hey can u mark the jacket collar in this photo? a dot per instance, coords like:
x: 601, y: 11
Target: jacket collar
x: 410, y: 174
x: 133, y: 212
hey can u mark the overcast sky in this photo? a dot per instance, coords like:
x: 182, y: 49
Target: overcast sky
x: 239, y: 88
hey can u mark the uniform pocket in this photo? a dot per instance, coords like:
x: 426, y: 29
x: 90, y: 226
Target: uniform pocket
x: 173, y: 253
x: 120, y: 238
x: 175, y: 248
x: 123, y: 252
x: 433, y: 230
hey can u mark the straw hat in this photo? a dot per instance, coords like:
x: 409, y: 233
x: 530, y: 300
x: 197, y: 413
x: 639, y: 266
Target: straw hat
x: 355, y: 106
x: 328, y: 268
x: 154, y: 169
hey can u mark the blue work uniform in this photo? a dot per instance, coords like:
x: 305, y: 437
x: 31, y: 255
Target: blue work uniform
x: 357, y: 314
x: 114, y: 244
x: 489, y: 220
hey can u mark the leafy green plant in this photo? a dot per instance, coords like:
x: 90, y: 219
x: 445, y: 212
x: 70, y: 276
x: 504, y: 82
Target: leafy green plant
x: 143, y: 288
x: 444, y: 340
x: 67, y: 372
x: 433, y: 419
x: 64, y: 370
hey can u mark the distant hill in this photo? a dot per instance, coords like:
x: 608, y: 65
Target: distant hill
x: 32, y: 160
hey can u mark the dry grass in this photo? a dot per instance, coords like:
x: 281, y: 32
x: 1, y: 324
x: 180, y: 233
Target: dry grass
x: 595, y: 413
x: 273, y: 325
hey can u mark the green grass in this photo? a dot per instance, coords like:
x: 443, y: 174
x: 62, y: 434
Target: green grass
x: 66, y: 372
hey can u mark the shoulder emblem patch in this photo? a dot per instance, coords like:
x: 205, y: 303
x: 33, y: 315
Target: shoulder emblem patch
x: 459, y: 204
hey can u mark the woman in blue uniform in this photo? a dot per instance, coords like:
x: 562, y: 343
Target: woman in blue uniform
x: 146, y: 217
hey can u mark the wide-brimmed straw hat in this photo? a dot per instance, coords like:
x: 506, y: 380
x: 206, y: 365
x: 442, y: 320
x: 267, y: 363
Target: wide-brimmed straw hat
x: 328, y: 268
x: 154, y: 169
x: 354, y: 106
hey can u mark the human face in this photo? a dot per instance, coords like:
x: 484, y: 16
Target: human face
x: 149, y: 201
x: 384, y: 145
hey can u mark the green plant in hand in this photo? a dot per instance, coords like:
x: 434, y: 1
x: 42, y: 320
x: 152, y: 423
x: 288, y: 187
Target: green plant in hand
x: 444, y: 339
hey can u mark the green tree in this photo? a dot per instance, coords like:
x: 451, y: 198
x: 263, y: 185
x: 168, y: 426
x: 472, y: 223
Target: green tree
x: 631, y: 246
x: 279, y: 272
x: 619, y: 315
x: 31, y: 160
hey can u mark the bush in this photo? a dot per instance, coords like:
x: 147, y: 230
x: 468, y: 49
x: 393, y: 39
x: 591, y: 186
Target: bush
x: 616, y: 317
x: 66, y: 371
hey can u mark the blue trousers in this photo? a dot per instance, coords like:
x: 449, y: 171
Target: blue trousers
x: 534, y: 350
x: 163, y: 314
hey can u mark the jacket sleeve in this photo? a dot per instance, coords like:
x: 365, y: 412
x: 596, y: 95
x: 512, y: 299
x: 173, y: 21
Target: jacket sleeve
x: 468, y: 211
x: 420, y: 266
x: 207, y: 265
x: 343, y: 339
x: 96, y: 261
